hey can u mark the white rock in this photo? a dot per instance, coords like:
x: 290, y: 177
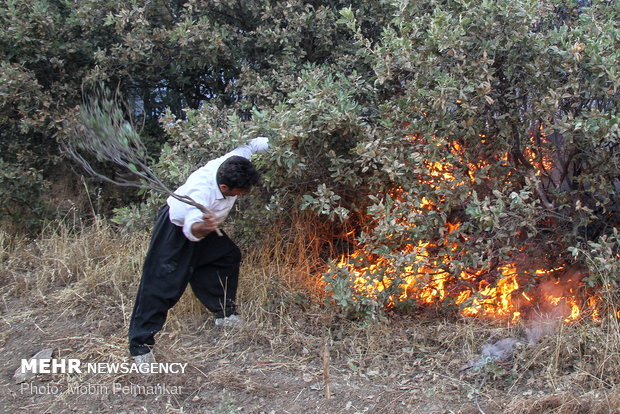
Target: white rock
x: 20, y: 376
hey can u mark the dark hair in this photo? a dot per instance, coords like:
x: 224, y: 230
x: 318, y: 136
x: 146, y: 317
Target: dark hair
x: 237, y: 172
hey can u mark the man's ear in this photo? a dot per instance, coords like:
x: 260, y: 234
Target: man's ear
x: 224, y: 188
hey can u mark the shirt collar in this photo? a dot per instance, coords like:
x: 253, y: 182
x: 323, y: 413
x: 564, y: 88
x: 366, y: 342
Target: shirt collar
x: 219, y: 195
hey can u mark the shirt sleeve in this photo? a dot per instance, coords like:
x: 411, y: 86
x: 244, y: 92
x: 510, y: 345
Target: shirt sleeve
x: 259, y: 144
x: 255, y: 146
x: 193, y: 216
x: 200, y: 190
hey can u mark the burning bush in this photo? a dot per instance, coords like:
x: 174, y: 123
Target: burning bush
x: 504, y: 163
x: 466, y: 153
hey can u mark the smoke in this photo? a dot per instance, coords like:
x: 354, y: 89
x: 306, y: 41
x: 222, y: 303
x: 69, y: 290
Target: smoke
x: 546, y: 313
x: 540, y: 327
x: 552, y: 306
x: 549, y: 311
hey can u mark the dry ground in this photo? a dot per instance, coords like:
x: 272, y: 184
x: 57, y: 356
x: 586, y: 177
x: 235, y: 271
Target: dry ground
x: 73, y: 292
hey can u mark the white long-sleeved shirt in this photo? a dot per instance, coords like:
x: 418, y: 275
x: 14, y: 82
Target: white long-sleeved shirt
x: 202, y: 186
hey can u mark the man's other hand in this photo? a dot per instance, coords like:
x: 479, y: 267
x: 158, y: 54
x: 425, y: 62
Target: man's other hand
x: 204, y: 227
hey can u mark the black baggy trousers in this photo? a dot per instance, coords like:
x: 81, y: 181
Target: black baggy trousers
x: 210, y: 266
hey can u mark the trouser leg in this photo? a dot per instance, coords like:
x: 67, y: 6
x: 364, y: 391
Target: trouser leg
x: 165, y: 274
x: 216, y: 274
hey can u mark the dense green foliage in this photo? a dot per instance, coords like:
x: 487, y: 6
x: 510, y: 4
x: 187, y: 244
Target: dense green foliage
x: 162, y: 55
x: 395, y: 119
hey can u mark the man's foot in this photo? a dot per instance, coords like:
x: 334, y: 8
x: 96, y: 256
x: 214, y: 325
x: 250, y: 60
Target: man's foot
x: 144, y: 359
x: 234, y: 321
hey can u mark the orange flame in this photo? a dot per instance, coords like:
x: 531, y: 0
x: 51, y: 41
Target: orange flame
x: 496, y: 301
x: 427, y: 280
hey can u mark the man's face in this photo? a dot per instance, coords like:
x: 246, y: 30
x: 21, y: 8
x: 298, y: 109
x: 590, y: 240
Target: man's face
x: 229, y: 192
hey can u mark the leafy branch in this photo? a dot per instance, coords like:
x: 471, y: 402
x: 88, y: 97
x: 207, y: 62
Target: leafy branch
x: 103, y: 132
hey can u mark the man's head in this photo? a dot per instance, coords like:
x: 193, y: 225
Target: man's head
x: 236, y: 176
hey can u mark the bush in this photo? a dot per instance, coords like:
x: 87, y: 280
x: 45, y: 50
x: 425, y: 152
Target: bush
x: 453, y: 135
x: 473, y: 134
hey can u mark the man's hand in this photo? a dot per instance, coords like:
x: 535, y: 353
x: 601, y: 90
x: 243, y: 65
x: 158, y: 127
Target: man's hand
x: 204, y: 227
x: 259, y: 144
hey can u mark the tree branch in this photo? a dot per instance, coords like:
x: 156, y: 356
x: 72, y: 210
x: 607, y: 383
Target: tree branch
x: 103, y: 132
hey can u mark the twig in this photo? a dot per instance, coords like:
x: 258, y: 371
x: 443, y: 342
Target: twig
x: 531, y: 176
x: 477, y: 394
x: 326, y: 361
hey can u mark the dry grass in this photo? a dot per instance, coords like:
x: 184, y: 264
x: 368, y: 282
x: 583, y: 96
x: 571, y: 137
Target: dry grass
x: 76, y: 266
x: 73, y: 291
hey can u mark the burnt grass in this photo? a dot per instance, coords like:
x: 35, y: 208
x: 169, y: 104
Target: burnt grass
x: 74, y: 295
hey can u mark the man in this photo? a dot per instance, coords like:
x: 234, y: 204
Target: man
x: 185, y: 248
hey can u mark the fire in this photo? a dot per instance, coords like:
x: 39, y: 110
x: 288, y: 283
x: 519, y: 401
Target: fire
x: 505, y: 292
x: 496, y: 301
x: 505, y: 298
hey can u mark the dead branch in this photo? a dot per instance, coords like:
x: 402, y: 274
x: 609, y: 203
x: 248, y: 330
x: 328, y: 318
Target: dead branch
x: 326, y: 363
